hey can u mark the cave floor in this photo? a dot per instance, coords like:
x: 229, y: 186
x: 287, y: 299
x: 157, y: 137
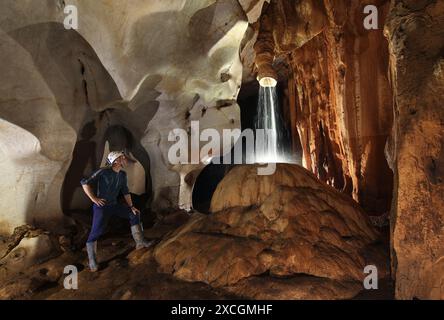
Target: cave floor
x: 129, y: 274
x: 125, y: 274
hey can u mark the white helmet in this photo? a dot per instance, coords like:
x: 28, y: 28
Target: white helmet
x: 112, y: 156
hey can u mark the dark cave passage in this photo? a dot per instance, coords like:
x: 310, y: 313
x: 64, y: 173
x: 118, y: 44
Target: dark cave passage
x: 205, y: 185
x: 89, y: 154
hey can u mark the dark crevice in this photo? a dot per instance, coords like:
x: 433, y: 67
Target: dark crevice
x: 225, y: 235
x: 84, y: 82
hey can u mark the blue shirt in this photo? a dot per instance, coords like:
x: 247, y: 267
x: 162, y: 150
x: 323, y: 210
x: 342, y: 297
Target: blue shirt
x: 110, y: 184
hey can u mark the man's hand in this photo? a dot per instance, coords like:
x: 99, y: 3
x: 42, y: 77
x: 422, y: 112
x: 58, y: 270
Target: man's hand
x: 98, y: 201
x: 135, y: 210
x: 89, y: 192
x: 129, y: 202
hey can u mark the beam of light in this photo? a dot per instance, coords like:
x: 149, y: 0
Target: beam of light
x: 269, y: 117
x: 270, y: 94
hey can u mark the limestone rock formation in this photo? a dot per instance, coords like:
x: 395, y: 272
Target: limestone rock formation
x: 285, y: 26
x: 145, y: 66
x: 339, y: 97
x: 365, y: 106
x: 415, y: 31
x: 349, y: 114
x: 368, y: 113
x: 26, y: 247
x: 265, y: 228
x: 253, y: 9
x: 127, y: 273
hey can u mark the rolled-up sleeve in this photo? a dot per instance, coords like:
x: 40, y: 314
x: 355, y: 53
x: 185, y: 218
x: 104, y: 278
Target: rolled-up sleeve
x: 124, y: 187
x: 92, y: 179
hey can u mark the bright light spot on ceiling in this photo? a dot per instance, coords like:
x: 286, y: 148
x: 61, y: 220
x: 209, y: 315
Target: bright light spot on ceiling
x: 268, y: 82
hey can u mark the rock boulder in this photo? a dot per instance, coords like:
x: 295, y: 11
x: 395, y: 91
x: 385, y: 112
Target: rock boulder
x: 274, y: 237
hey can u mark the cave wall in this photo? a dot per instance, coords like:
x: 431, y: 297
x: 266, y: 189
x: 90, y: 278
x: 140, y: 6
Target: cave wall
x: 118, y: 68
x: 188, y: 65
x: 366, y: 105
x: 415, y: 30
x: 363, y: 105
x: 344, y: 104
x: 339, y: 95
x: 43, y: 101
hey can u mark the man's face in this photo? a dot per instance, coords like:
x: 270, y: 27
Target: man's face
x: 122, y: 161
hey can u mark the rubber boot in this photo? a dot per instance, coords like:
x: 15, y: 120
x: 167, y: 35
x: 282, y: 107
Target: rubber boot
x: 91, y: 248
x: 138, y: 237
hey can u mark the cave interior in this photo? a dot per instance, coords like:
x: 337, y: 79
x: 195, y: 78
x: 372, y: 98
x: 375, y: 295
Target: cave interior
x: 357, y: 107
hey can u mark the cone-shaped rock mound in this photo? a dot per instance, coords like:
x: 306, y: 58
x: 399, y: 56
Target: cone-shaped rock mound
x: 282, y: 236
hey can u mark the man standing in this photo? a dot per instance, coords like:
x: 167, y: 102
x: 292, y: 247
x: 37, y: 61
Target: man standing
x: 110, y: 182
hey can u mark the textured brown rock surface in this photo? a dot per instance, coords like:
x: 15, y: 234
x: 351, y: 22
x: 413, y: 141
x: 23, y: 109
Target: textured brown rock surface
x: 415, y: 30
x: 286, y: 25
x: 344, y: 106
x: 339, y: 98
x: 362, y: 105
x: 125, y: 274
x: 26, y: 247
x: 367, y: 110
x: 285, y: 225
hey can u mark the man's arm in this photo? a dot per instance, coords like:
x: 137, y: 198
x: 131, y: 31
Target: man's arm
x: 129, y: 201
x: 90, y: 193
x: 86, y: 185
x: 127, y: 195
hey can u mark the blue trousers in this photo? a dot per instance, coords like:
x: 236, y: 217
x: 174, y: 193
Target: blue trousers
x: 102, y: 215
